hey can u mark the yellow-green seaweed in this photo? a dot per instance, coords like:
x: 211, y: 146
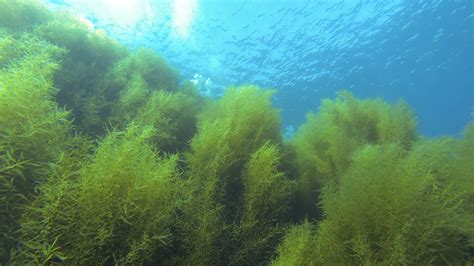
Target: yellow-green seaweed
x: 22, y: 14
x: 34, y: 130
x: 298, y: 247
x: 267, y: 201
x: 325, y: 143
x: 229, y: 133
x: 117, y: 209
x: 386, y: 212
x: 107, y: 157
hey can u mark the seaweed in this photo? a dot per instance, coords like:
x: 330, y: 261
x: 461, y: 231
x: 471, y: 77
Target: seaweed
x: 30, y: 121
x: 22, y: 14
x: 118, y: 208
x: 384, y: 211
x: 172, y: 114
x: 298, y: 246
x: 267, y: 203
x: 106, y: 158
x: 91, y: 54
x: 33, y: 128
x: 391, y: 206
x: 148, y: 65
x: 325, y: 143
x: 229, y: 133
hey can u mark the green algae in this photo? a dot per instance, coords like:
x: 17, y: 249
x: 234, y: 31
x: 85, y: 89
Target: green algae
x: 230, y: 153
x: 105, y: 158
x: 33, y: 128
x: 394, y: 206
x: 114, y: 209
x: 298, y: 247
x: 325, y: 143
x: 22, y: 14
x: 385, y: 212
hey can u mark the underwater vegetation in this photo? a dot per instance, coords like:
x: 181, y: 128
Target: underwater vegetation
x: 114, y: 209
x: 239, y: 198
x: 324, y: 144
x: 391, y: 207
x: 108, y: 158
x: 33, y: 128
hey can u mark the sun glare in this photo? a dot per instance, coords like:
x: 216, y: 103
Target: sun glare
x: 183, y: 15
x: 125, y: 13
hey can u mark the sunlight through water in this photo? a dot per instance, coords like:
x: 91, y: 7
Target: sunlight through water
x: 183, y: 14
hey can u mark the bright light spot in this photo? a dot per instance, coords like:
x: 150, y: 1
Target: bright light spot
x: 183, y: 15
x: 149, y: 12
x: 86, y: 22
x: 122, y: 12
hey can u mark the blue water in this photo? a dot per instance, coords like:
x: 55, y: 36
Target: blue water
x: 421, y: 51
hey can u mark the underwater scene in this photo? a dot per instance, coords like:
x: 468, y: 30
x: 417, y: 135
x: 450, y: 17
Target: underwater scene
x: 252, y: 132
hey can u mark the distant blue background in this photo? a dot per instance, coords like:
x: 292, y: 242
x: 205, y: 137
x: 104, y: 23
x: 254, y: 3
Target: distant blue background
x: 421, y: 51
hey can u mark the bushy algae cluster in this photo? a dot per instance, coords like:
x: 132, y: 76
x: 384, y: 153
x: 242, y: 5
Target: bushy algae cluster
x: 106, y: 158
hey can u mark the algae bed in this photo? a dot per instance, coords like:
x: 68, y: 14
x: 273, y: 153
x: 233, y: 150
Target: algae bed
x: 107, y: 158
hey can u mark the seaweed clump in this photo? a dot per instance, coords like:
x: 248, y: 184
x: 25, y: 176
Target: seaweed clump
x: 325, y: 143
x: 393, y: 206
x: 123, y: 88
x: 55, y: 92
x: 116, y: 208
x: 387, y: 211
x: 298, y: 247
x: 34, y: 130
x: 22, y: 14
x: 172, y: 114
x: 239, y: 198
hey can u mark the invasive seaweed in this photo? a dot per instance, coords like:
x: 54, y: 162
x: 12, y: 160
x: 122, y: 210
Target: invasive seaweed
x: 172, y: 114
x: 148, y: 65
x: 229, y: 132
x: 105, y: 158
x: 116, y: 209
x: 392, y: 207
x: 33, y: 128
x: 298, y: 247
x: 22, y: 14
x: 385, y: 211
x: 267, y: 202
x: 463, y: 173
x: 35, y: 131
x: 120, y: 90
x: 90, y: 55
x: 16, y: 48
x: 324, y: 144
